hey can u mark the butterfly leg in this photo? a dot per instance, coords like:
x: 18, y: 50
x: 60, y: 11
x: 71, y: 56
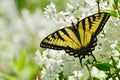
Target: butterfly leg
x: 80, y: 58
x: 91, y: 54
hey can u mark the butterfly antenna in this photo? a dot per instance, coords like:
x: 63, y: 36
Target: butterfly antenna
x: 98, y: 2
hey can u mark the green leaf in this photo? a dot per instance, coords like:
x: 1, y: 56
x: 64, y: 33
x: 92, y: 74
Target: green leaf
x: 111, y: 76
x: 103, y: 66
x: 30, y: 71
x: 118, y: 48
x: 61, y: 76
x: 115, y: 5
x: 20, y: 4
x: 94, y: 78
x: 112, y: 12
x: 21, y: 60
x: 114, y: 62
x: 7, y: 76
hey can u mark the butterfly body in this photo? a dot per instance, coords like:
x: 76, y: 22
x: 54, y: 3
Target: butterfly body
x: 78, y: 40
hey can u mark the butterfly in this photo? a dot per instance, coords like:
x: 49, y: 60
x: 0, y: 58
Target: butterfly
x: 79, y: 39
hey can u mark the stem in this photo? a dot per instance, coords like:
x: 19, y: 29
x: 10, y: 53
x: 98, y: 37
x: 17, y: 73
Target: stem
x: 98, y: 2
x: 77, y: 75
x: 118, y: 76
x: 114, y: 65
x: 89, y: 72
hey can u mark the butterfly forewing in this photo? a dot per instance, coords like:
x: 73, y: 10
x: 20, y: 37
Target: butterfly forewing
x: 91, y: 25
x: 61, y: 39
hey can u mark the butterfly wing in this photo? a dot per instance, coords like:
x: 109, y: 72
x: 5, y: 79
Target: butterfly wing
x: 88, y: 28
x: 91, y: 26
x: 62, y: 39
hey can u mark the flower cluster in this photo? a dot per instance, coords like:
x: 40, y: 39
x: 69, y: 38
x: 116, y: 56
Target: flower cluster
x: 55, y: 64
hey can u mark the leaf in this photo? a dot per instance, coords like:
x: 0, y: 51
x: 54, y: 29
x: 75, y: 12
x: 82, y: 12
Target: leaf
x: 115, y: 5
x: 112, y: 13
x: 31, y: 71
x: 94, y: 78
x: 61, y: 76
x: 5, y: 76
x: 20, y: 4
x: 21, y: 60
x: 118, y: 48
x: 103, y: 66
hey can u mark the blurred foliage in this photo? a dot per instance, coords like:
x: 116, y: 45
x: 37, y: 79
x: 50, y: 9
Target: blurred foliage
x: 20, y: 68
x: 115, y: 12
x: 33, y: 4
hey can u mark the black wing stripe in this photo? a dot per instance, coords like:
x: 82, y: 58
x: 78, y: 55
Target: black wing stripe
x: 77, y: 34
x: 53, y: 36
x: 65, y: 32
x: 102, y: 23
x: 83, y: 24
x: 51, y: 46
x: 93, y: 17
x: 89, y: 20
x: 48, y: 39
x: 58, y: 34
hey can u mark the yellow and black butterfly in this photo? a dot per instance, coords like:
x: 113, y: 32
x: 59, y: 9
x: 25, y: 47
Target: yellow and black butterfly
x: 78, y: 40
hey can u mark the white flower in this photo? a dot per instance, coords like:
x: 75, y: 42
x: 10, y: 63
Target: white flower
x: 59, y: 61
x: 91, y: 2
x: 69, y: 7
x: 48, y: 74
x: 98, y: 74
x: 41, y: 59
x: 62, y: 18
x: 114, y: 45
x: 50, y: 11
